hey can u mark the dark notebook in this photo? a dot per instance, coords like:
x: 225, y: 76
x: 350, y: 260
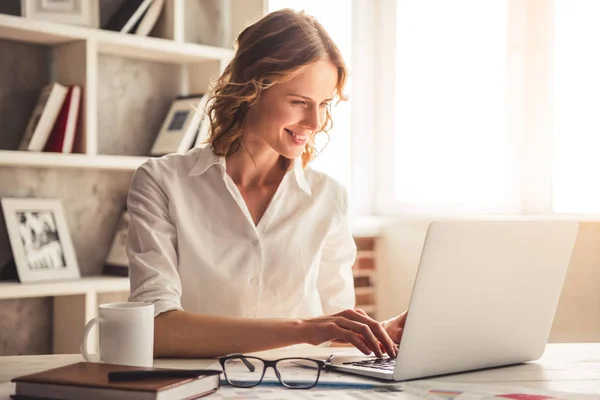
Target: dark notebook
x: 89, y: 381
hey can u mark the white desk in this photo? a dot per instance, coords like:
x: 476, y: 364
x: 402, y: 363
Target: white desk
x: 573, y: 367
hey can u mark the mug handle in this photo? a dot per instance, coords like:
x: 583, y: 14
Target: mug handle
x: 84, y: 339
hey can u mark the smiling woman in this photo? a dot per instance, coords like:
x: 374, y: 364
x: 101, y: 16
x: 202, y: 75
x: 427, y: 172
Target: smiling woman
x: 305, y: 71
x: 240, y: 245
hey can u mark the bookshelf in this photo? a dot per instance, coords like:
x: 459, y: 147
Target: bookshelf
x: 76, y: 51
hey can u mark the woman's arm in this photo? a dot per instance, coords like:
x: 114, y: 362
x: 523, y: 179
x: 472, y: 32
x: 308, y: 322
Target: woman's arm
x: 184, y: 334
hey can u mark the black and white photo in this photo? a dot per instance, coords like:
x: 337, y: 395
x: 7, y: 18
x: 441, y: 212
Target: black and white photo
x: 40, y: 240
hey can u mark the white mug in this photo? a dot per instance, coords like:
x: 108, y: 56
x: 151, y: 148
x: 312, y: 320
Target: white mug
x: 126, y: 334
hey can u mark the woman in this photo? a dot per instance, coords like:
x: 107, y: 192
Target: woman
x: 241, y: 246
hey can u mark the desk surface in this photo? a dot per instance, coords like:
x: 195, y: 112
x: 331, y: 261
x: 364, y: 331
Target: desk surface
x: 568, y: 367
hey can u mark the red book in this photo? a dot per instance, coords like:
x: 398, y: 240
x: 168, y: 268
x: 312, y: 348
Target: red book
x: 63, y: 133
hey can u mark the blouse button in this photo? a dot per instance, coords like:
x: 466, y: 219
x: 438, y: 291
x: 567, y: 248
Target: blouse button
x: 254, y: 281
x: 255, y: 242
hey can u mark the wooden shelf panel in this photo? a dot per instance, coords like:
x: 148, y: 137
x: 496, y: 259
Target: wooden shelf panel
x: 9, y: 158
x: 108, y: 42
x: 364, y: 290
x: 363, y: 273
x: 97, y: 284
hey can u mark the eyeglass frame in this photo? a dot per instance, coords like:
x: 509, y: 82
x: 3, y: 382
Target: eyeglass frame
x: 322, y: 365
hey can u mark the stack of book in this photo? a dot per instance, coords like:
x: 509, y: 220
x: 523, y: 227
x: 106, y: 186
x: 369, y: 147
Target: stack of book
x: 53, y: 125
x: 91, y: 381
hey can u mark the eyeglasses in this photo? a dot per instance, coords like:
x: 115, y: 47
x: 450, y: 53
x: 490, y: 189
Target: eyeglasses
x: 246, y: 371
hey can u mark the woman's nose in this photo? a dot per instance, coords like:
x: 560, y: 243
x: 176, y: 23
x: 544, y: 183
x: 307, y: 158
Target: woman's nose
x: 313, y: 119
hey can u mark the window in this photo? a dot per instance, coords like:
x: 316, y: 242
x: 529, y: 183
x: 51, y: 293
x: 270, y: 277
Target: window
x: 576, y: 163
x: 336, y: 17
x: 451, y: 150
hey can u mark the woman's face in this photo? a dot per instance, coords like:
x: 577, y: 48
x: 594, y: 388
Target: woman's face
x: 287, y: 114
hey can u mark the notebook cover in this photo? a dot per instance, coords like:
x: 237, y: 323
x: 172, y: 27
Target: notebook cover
x: 95, y: 375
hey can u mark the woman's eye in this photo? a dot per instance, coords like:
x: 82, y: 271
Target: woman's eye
x: 324, y: 105
x: 298, y: 103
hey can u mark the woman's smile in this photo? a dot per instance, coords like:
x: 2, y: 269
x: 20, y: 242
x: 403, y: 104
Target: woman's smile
x: 297, y: 139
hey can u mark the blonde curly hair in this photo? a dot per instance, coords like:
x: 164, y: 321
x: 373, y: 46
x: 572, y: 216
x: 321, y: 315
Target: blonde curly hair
x: 272, y: 50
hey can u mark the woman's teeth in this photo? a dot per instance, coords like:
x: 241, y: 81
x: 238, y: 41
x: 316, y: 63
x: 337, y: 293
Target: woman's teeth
x: 296, y: 136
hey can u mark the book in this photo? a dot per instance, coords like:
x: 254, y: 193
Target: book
x: 149, y: 19
x: 117, y: 262
x: 44, y: 116
x: 128, y: 15
x: 89, y: 381
x: 180, y: 127
x: 63, y: 133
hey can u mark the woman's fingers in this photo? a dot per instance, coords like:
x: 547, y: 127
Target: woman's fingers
x: 376, y: 329
x: 350, y: 337
x: 352, y: 326
x: 365, y: 331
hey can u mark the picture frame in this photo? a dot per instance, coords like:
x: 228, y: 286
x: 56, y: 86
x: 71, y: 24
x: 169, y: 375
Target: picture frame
x: 72, y: 12
x: 39, y: 239
x: 117, y: 262
x: 180, y: 126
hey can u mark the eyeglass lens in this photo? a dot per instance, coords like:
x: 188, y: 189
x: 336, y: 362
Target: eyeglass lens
x: 292, y: 373
x: 298, y: 373
x: 243, y: 372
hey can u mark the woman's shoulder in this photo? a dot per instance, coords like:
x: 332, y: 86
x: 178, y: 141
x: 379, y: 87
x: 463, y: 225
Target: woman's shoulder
x: 325, y: 186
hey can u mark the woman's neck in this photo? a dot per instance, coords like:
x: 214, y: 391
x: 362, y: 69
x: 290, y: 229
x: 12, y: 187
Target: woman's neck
x: 252, y: 166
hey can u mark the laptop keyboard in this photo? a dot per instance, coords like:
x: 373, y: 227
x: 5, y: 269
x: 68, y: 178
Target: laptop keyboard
x: 387, y: 364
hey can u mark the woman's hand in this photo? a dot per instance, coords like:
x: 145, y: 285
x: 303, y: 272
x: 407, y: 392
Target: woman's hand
x: 352, y: 326
x: 395, y: 327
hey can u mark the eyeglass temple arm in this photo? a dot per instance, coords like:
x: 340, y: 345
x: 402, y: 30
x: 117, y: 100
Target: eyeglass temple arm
x: 248, y: 364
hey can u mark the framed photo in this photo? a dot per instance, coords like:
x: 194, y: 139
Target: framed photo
x: 117, y: 262
x: 40, y: 240
x: 73, y: 12
x: 180, y: 127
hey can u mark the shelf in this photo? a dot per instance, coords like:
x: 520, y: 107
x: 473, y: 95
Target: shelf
x: 363, y: 273
x: 11, y: 158
x: 108, y: 42
x: 97, y: 284
x: 364, y: 290
x: 363, y: 253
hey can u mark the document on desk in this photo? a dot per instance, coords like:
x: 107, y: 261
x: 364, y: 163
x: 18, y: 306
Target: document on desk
x: 274, y: 393
x: 420, y: 390
x: 439, y: 390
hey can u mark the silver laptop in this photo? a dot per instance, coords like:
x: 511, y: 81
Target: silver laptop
x: 485, y: 295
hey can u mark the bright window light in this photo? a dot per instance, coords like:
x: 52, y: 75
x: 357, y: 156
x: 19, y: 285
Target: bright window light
x: 336, y: 17
x: 576, y: 161
x: 451, y: 146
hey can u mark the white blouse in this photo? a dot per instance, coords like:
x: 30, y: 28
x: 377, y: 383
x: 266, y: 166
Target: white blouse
x: 192, y: 244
